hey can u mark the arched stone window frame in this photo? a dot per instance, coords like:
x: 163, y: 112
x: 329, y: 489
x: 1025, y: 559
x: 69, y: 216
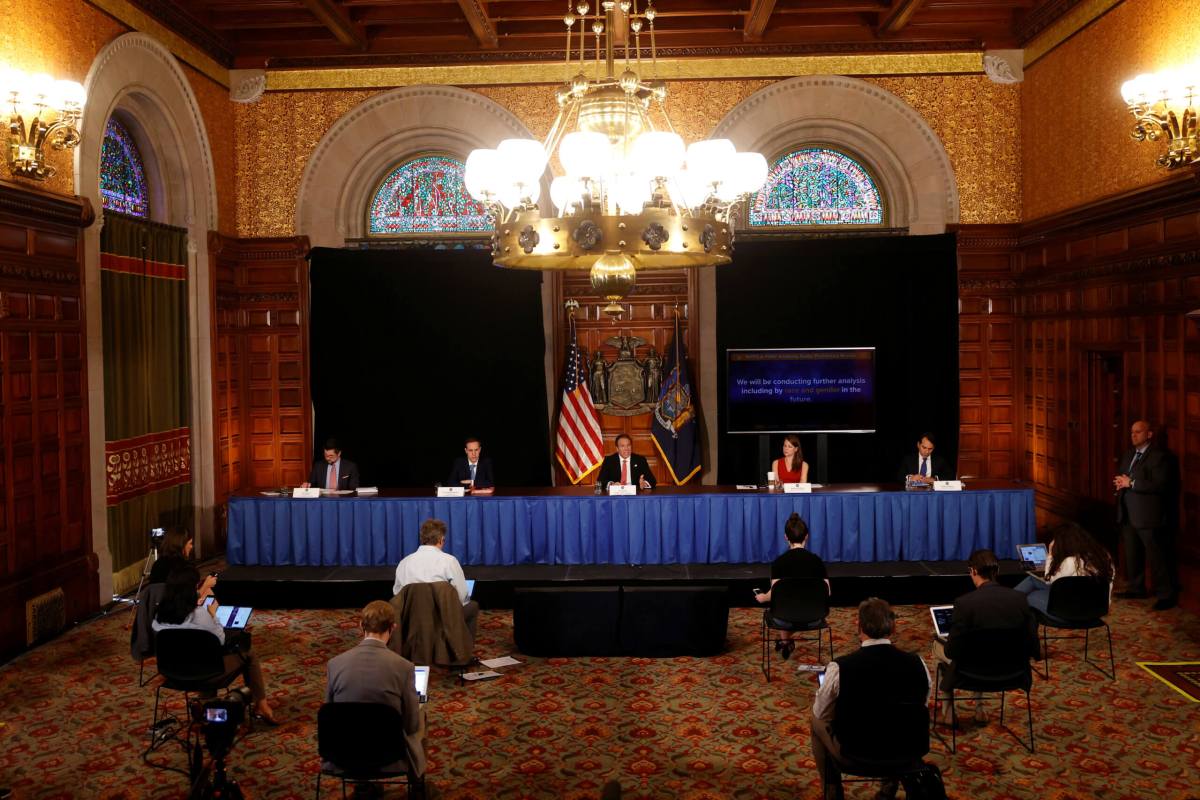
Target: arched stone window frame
x: 841, y: 150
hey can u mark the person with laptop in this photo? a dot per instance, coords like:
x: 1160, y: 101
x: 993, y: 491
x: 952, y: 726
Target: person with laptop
x: 370, y: 672
x: 853, y: 710
x: 795, y: 562
x: 1072, y: 552
x: 989, y: 607
x: 187, y: 602
x: 429, y: 563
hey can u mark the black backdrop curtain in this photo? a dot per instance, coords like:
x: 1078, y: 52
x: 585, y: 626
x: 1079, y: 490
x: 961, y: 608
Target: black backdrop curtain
x: 414, y: 350
x: 897, y: 294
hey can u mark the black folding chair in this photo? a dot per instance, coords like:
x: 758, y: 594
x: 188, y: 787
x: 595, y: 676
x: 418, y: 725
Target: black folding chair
x: 364, y: 743
x: 988, y: 661
x: 141, y: 634
x: 890, y: 745
x: 797, y: 605
x: 1077, y: 603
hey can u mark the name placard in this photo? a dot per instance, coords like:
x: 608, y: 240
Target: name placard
x: 621, y: 490
x: 947, y: 486
x: 451, y: 491
x: 312, y: 491
x: 797, y: 488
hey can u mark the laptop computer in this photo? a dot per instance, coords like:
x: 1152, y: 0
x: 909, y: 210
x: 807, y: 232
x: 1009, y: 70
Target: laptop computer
x: 233, y: 617
x: 1033, y: 559
x: 470, y: 587
x: 941, y: 620
x: 421, y: 677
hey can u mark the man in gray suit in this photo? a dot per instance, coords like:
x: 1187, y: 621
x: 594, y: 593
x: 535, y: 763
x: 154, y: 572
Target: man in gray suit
x: 371, y: 673
x: 1146, y: 489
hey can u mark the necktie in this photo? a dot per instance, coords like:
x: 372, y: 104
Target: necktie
x: 924, y: 467
x: 1137, y: 458
x: 624, y: 470
x: 472, y: 466
x: 331, y: 478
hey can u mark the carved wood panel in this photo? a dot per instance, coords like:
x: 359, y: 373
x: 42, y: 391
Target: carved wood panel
x: 650, y: 311
x: 45, y: 529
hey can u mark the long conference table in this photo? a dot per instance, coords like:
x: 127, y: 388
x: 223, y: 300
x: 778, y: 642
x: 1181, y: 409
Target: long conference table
x: 671, y: 525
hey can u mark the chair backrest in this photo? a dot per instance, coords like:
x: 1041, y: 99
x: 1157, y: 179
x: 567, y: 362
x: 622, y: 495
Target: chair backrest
x: 1078, y: 598
x: 187, y: 655
x: 800, y: 599
x: 895, y: 734
x: 141, y: 634
x: 988, y: 659
x: 360, y: 738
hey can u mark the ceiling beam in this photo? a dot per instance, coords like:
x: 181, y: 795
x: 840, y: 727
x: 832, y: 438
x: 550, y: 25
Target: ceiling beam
x: 481, y: 26
x: 333, y: 17
x: 893, y: 20
x: 756, y: 19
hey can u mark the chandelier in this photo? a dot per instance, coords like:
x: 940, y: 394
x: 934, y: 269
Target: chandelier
x: 632, y: 196
x: 41, y: 110
x: 1163, y: 107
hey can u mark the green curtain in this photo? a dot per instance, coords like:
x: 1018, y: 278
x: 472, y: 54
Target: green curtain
x: 147, y: 386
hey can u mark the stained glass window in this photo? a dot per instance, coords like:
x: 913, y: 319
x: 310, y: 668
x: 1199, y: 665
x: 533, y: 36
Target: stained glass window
x: 426, y: 195
x: 817, y: 186
x: 122, y: 174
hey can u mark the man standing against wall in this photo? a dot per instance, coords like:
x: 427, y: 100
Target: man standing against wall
x: 1146, y: 489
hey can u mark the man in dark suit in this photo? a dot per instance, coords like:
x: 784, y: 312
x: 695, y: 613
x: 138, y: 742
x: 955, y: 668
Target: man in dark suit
x: 865, y: 701
x: 923, y: 466
x: 472, y: 471
x: 625, y: 466
x: 1145, y: 497
x: 371, y: 673
x: 990, y: 607
x: 333, y: 471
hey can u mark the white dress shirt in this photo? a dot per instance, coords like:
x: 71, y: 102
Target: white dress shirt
x: 430, y: 564
x: 199, y: 620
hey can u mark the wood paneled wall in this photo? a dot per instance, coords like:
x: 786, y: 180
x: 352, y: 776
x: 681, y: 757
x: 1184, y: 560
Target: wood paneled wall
x: 1103, y: 296
x: 261, y: 401
x: 650, y: 315
x: 45, y: 529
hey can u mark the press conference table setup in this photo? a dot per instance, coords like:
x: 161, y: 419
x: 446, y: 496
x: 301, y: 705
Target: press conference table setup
x: 670, y: 525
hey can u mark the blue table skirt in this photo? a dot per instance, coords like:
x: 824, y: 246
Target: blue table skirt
x: 648, y: 529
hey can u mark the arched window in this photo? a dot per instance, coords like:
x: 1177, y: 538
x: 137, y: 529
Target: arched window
x: 817, y: 186
x: 122, y: 173
x: 426, y: 195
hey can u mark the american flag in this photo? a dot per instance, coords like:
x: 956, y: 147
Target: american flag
x: 578, y: 441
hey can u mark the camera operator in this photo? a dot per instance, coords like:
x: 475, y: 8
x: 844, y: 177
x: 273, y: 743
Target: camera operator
x: 174, y: 551
x: 183, y: 606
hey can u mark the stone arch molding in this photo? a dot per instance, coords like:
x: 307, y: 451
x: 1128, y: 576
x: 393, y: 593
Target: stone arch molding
x: 138, y: 77
x: 893, y: 140
x: 354, y: 155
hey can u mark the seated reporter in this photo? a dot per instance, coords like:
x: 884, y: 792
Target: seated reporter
x: 175, y: 552
x: 1072, y: 552
x: 795, y: 562
x: 182, y: 607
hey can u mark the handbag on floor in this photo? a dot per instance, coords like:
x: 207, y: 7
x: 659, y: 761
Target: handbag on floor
x: 925, y: 784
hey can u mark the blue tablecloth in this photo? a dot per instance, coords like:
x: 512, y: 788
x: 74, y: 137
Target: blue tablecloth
x: 648, y: 529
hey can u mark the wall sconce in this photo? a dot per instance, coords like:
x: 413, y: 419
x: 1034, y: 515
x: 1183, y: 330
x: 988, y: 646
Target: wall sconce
x: 1163, y: 107
x: 40, y: 110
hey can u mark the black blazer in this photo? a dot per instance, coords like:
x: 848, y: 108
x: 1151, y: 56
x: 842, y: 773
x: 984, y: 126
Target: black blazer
x: 484, y: 479
x: 990, y: 607
x: 911, y: 465
x: 610, y: 470
x: 348, y: 479
x: 1149, y: 503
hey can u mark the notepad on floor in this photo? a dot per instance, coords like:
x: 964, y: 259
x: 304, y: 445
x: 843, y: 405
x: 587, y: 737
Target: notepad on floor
x: 497, y: 663
x: 480, y: 676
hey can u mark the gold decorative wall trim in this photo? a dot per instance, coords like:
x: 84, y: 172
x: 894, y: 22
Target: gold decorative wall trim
x: 126, y: 12
x: 959, y: 63
x: 1067, y: 26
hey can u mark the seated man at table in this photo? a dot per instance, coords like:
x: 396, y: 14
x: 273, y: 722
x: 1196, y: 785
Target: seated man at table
x: 332, y: 471
x: 371, y: 673
x: 626, y: 467
x: 923, y: 466
x: 429, y: 564
x: 472, y: 471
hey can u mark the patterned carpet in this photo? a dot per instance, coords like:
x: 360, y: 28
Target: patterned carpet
x: 74, y: 720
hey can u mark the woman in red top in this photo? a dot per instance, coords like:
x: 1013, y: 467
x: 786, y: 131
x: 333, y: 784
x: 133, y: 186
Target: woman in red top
x: 792, y: 467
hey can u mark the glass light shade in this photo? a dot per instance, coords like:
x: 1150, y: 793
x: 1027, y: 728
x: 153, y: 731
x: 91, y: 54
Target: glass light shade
x: 631, y: 192
x: 38, y: 89
x: 566, y: 192
x: 1131, y: 90
x: 657, y: 154
x: 585, y: 154
x: 481, y: 174
x: 749, y: 172
x: 688, y: 190
x: 523, y: 159
x: 708, y: 160
x: 70, y: 94
x: 10, y: 81
x: 1178, y: 87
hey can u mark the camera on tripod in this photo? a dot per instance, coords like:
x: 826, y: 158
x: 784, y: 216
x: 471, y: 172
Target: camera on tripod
x: 156, y: 537
x: 219, y: 720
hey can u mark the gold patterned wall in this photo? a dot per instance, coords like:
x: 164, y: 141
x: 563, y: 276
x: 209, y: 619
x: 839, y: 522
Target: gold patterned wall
x: 977, y: 120
x: 216, y: 109
x: 1075, y: 126
x: 60, y: 38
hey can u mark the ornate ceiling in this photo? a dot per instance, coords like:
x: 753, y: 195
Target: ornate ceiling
x: 337, y: 33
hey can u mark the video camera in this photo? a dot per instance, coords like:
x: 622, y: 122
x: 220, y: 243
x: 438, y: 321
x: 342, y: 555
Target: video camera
x: 156, y: 536
x: 220, y: 720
